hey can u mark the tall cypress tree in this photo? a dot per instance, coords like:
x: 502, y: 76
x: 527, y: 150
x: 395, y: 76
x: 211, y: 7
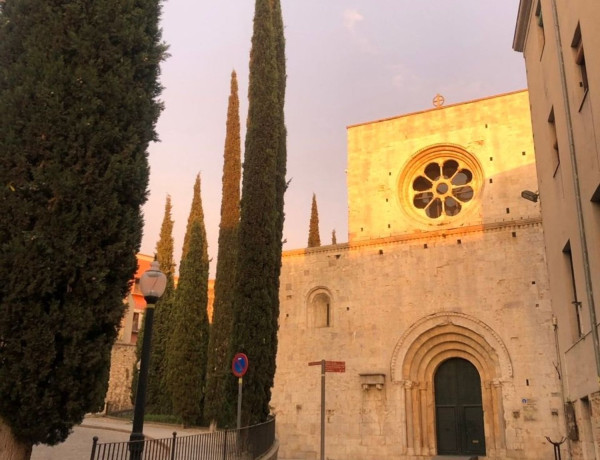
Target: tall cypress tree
x: 186, y: 363
x: 259, y: 254
x: 196, y: 215
x: 158, y: 399
x: 314, y: 239
x: 218, y: 406
x: 280, y: 182
x: 78, y: 105
x: 333, y: 237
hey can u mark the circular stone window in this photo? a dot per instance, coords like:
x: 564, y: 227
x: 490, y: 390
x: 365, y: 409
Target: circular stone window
x: 440, y: 184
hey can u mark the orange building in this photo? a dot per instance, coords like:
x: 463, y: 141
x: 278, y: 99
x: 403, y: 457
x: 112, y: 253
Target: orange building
x: 134, y: 315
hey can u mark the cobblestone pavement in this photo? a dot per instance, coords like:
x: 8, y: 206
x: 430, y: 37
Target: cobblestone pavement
x: 78, y: 446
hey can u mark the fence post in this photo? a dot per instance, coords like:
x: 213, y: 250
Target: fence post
x: 173, y: 445
x: 94, y: 443
x: 225, y: 445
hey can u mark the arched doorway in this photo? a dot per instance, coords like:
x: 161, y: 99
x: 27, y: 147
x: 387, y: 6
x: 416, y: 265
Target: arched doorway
x: 458, y: 408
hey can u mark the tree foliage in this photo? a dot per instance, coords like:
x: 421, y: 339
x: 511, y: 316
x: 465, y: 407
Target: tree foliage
x: 314, y: 239
x: 78, y: 104
x: 259, y: 254
x: 186, y: 362
x: 188, y: 341
x: 218, y: 406
x: 196, y: 215
x: 158, y: 399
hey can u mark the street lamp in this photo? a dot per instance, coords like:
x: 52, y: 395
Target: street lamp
x: 152, y: 284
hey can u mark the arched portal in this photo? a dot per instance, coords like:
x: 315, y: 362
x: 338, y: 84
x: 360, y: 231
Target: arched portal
x: 458, y: 409
x: 420, y: 352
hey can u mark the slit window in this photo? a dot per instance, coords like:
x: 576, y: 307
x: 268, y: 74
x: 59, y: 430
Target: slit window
x: 577, y: 46
x: 576, y: 304
x: 554, y: 141
x: 539, y: 19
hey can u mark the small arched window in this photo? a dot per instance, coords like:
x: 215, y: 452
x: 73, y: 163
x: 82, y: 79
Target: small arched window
x: 319, y: 308
x: 321, y: 304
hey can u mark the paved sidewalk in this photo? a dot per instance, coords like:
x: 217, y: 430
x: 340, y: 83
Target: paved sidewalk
x: 151, y: 429
x: 78, y: 445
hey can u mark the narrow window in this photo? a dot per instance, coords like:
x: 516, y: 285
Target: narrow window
x: 577, y: 45
x: 571, y: 421
x: 576, y: 304
x: 554, y: 141
x: 587, y: 430
x: 136, y: 287
x: 135, y: 327
x: 540, y: 22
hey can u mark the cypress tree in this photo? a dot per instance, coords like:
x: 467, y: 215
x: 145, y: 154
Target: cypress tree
x: 158, y: 399
x: 333, y: 237
x: 280, y: 182
x: 218, y: 406
x: 78, y: 104
x: 186, y: 364
x: 314, y: 239
x: 196, y: 215
x: 189, y: 326
x: 259, y: 254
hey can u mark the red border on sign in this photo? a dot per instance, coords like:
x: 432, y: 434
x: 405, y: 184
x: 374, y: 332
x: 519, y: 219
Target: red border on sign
x: 235, y: 359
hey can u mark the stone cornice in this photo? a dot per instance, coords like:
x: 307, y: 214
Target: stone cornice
x: 415, y: 236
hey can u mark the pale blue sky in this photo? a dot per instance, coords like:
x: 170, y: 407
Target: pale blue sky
x: 348, y: 61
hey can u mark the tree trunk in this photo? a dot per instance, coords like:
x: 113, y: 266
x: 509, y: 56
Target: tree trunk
x: 10, y: 447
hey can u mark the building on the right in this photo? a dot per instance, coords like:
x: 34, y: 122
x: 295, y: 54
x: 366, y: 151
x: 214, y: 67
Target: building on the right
x: 560, y: 41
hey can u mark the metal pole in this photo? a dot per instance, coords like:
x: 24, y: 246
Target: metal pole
x: 322, y: 409
x: 239, y: 405
x: 174, y: 445
x: 136, y: 445
x: 94, y: 444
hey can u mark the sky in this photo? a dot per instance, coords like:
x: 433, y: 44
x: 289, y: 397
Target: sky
x: 348, y: 62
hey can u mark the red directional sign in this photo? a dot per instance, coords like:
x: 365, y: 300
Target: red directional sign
x: 335, y: 366
x: 331, y: 366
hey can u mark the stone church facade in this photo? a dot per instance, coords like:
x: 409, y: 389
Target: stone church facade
x: 438, y: 303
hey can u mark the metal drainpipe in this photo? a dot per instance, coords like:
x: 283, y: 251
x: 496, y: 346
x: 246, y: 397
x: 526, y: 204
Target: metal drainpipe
x: 559, y: 369
x: 578, y: 207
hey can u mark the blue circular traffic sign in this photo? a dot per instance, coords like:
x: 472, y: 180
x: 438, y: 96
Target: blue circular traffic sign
x: 239, y: 365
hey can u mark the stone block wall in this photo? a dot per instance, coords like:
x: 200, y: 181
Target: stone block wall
x: 118, y: 396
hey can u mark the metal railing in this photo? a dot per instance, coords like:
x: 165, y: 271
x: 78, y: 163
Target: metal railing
x: 249, y: 443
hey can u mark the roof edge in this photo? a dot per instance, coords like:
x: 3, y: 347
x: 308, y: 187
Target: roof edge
x: 509, y: 93
x: 523, y: 17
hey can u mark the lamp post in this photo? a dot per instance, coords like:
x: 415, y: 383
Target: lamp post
x: 152, y: 284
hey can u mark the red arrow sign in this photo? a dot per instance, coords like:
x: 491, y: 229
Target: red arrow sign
x: 335, y: 366
x: 331, y: 366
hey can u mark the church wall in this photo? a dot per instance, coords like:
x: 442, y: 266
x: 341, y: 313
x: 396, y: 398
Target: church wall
x: 497, y: 131
x: 404, y: 298
x: 375, y: 298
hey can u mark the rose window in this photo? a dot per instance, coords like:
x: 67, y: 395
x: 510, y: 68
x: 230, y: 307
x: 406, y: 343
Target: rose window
x: 442, y: 188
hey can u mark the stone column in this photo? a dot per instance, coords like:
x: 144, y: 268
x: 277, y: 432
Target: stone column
x: 498, y: 408
x: 408, y: 401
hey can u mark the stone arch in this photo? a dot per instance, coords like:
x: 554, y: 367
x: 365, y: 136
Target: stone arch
x: 423, y: 348
x: 319, y: 307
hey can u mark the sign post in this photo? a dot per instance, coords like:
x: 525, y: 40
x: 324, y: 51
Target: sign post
x: 239, y: 366
x: 326, y: 366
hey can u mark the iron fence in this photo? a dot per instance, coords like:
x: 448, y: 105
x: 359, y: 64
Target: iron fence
x: 249, y: 443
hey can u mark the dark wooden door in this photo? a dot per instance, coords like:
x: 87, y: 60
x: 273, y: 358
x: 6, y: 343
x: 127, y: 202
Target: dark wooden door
x: 458, y: 409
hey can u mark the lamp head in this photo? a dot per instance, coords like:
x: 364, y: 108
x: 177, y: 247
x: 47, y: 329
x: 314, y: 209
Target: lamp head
x: 153, y: 283
x: 529, y: 195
